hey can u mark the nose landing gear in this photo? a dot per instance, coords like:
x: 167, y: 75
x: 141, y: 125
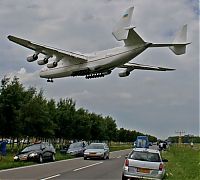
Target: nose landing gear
x: 50, y: 80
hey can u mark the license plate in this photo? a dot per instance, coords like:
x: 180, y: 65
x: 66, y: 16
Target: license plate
x: 23, y: 158
x: 142, y: 170
x: 92, y: 154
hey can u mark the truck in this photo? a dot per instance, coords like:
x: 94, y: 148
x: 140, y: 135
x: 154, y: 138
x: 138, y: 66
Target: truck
x: 142, y: 142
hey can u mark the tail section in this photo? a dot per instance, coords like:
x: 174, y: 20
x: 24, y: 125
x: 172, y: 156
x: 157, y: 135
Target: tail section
x: 180, y: 40
x: 179, y: 44
x: 123, y: 30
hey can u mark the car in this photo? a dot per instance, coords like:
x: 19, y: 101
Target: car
x: 77, y: 148
x: 97, y: 150
x: 143, y: 163
x: 38, y: 152
x: 64, y: 149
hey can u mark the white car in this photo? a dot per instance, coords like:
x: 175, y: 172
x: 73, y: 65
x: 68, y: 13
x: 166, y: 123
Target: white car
x: 97, y: 150
x: 144, y: 163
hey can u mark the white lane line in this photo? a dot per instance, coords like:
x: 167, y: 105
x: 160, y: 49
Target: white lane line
x: 36, y: 165
x: 50, y: 177
x: 87, y: 166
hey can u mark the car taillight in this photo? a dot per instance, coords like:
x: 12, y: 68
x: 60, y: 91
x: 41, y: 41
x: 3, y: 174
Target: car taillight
x: 161, y: 167
x: 126, y: 162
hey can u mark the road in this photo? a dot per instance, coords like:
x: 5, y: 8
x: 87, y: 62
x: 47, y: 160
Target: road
x: 72, y: 169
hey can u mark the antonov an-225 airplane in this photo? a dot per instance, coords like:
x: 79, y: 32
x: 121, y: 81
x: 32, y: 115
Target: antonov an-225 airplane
x: 65, y: 63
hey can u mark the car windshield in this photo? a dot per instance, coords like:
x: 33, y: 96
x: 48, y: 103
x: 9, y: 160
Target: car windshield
x: 32, y: 148
x: 145, y: 156
x: 75, y: 145
x: 95, y: 146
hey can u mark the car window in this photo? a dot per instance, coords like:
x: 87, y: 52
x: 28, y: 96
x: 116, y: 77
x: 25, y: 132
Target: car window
x: 51, y: 146
x: 145, y: 156
x: 43, y: 146
x: 32, y: 148
x: 95, y: 146
x: 76, y: 145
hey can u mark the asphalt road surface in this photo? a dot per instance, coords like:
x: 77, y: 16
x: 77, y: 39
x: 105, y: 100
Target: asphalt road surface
x: 72, y: 169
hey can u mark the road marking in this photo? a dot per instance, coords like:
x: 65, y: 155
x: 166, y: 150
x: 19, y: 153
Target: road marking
x: 36, y: 165
x: 50, y: 177
x: 87, y: 166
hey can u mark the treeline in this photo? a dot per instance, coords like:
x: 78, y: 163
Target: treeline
x: 185, y: 139
x: 27, y: 113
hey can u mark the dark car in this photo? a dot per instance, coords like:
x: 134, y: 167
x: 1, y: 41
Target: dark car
x: 64, y: 148
x: 77, y: 148
x: 39, y: 152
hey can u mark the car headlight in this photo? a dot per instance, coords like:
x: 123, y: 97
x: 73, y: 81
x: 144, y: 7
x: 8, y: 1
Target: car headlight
x: 33, y: 154
x: 86, y: 153
x: 15, y: 157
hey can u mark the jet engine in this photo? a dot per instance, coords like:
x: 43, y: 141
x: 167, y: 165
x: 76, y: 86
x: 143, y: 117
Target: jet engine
x: 124, y: 73
x: 52, y: 65
x: 43, y: 61
x: 32, y: 58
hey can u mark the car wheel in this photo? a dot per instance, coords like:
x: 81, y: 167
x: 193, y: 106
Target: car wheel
x: 104, y: 157
x: 108, y: 157
x: 53, y: 157
x: 85, y: 158
x: 124, y: 177
x: 40, y: 159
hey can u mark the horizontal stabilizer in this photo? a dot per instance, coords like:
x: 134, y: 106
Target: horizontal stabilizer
x: 132, y: 66
x: 179, y: 44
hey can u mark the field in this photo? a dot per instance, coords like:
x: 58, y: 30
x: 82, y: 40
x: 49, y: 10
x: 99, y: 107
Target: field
x: 184, y: 162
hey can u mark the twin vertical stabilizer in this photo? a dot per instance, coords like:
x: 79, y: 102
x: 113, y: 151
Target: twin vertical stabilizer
x: 120, y: 31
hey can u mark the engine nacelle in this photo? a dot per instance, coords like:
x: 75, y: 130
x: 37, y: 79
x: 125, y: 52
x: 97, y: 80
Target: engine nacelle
x: 43, y: 61
x: 124, y: 73
x: 32, y: 58
x: 52, y: 65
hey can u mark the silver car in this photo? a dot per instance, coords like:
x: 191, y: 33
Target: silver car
x: 143, y: 163
x: 97, y: 150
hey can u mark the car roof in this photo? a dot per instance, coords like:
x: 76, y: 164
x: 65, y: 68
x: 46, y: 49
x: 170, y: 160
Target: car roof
x: 98, y: 143
x: 146, y: 150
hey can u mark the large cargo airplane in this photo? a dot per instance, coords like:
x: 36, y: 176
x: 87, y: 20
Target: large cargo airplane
x: 60, y: 63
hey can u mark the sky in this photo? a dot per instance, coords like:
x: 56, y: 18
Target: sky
x: 156, y: 103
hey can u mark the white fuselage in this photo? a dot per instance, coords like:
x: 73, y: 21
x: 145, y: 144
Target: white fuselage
x: 101, y: 61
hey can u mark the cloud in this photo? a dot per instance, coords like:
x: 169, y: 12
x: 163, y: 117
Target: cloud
x: 154, y: 102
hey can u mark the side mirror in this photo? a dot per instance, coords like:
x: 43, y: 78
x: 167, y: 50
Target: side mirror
x: 126, y: 156
x: 165, y: 160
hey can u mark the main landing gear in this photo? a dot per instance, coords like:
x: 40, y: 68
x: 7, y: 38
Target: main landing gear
x: 50, y: 80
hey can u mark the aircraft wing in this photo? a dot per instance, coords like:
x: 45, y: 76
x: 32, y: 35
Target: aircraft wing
x: 49, y: 51
x: 132, y: 66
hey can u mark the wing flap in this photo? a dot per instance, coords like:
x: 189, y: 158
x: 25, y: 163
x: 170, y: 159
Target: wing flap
x: 47, y: 50
x: 132, y: 66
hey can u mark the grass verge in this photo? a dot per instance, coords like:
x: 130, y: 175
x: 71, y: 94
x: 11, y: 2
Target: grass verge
x: 184, y: 162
